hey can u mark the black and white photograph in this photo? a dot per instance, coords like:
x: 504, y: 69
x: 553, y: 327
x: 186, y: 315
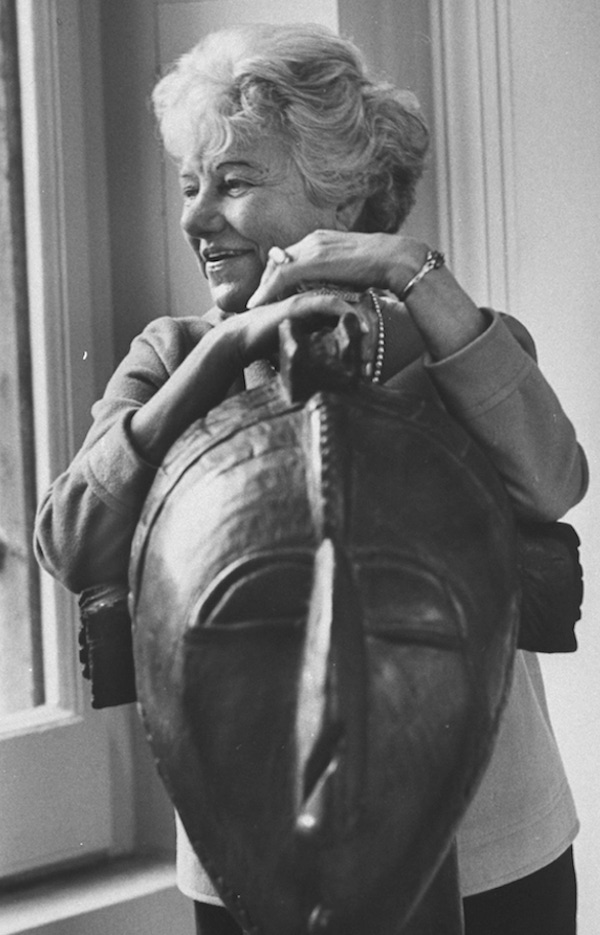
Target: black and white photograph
x: 299, y: 524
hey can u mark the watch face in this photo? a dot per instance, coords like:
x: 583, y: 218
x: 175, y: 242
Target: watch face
x: 325, y: 603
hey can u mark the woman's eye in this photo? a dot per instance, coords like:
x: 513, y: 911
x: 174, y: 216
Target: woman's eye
x: 236, y: 186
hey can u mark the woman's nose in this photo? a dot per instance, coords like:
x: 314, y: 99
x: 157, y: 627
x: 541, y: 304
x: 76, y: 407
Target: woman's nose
x: 202, y: 216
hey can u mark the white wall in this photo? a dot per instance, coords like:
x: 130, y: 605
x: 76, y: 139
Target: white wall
x: 517, y: 91
x: 557, y: 124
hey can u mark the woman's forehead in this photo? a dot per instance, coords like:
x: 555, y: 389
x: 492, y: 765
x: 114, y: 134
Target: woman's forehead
x: 267, y: 156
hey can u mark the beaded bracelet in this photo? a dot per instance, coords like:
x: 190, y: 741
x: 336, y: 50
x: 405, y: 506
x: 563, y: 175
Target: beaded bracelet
x: 380, y: 349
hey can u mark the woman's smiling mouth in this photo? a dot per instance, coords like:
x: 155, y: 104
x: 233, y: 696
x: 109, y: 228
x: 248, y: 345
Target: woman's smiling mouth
x: 212, y: 256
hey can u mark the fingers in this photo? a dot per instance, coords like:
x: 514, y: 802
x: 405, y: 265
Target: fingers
x: 274, y: 282
x: 280, y: 257
x: 350, y: 257
x: 315, y: 305
x: 258, y: 329
x: 322, y: 255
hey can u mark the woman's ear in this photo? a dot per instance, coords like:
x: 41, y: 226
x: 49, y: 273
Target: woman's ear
x: 348, y: 214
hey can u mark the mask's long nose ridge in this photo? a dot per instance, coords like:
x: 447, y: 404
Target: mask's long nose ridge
x: 331, y: 720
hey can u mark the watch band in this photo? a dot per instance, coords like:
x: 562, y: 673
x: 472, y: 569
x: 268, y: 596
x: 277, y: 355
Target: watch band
x: 433, y: 260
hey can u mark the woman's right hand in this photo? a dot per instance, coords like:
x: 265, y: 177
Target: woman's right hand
x: 256, y: 331
x: 204, y: 378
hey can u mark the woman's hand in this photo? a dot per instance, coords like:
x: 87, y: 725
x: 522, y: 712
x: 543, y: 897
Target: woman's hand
x: 256, y: 332
x: 445, y: 316
x: 203, y: 379
x: 384, y: 261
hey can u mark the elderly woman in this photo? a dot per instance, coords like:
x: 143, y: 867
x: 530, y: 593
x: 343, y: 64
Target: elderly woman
x: 297, y: 172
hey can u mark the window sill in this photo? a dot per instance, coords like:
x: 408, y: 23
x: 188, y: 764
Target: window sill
x: 142, y: 887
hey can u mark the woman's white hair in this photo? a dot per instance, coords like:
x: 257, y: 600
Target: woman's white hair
x: 350, y: 136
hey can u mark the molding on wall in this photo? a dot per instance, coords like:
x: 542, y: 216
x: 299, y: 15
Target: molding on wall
x: 59, y: 285
x: 473, y: 105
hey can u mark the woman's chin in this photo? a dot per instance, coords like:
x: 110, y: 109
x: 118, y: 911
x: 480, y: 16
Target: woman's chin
x: 231, y: 298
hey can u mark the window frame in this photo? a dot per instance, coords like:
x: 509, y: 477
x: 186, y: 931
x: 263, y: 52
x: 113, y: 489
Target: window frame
x: 67, y: 793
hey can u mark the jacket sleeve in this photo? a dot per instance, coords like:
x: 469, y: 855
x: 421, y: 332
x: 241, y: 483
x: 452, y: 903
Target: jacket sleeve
x: 85, y: 522
x: 496, y: 390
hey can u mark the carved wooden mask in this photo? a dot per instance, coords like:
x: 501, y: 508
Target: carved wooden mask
x: 325, y: 604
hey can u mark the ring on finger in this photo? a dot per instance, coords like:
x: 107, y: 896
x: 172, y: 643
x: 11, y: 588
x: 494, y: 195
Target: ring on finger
x: 279, y: 256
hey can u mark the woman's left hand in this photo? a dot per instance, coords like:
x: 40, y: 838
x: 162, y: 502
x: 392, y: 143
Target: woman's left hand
x: 384, y: 261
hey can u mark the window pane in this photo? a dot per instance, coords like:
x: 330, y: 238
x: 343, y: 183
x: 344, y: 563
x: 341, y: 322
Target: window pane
x: 21, y: 678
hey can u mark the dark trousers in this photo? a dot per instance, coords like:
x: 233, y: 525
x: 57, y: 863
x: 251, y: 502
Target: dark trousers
x: 543, y: 903
x: 214, y: 920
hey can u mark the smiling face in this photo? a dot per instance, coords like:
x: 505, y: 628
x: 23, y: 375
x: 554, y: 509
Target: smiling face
x: 239, y: 205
